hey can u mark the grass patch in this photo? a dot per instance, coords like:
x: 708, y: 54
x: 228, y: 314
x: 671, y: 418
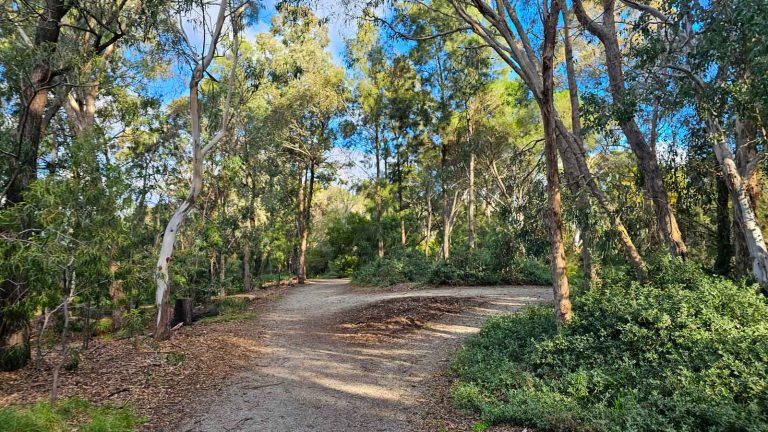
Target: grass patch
x: 687, y: 352
x: 69, y: 415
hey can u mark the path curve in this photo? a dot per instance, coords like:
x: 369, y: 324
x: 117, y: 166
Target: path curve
x: 308, y: 380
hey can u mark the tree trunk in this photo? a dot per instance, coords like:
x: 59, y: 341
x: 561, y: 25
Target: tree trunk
x: 182, y: 311
x: 746, y: 162
x: 69, y: 293
x: 647, y: 160
x: 742, y: 207
x: 471, y: 203
x: 162, y: 276
x: 428, y: 233
x: 446, y: 246
x: 247, y: 280
x: 33, y: 100
x: 301, y: 229
x: 222, y: 274
x: 560, y: 286
x: 117, y: 296
x: 583, y: 207
x: 377, y: 198
x: 724, y: 246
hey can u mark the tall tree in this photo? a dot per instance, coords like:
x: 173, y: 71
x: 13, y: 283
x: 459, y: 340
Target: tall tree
x: 201, y: 63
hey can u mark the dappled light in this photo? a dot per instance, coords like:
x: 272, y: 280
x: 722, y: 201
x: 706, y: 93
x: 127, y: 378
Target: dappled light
x: 401, y: 215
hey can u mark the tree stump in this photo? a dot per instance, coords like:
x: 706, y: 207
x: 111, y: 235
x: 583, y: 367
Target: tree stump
x: 182, y: 311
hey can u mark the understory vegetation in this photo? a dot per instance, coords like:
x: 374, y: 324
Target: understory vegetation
x: 68, y: 415
x: 158, y: 157
x: 684, y: 352
x: 470, y: 269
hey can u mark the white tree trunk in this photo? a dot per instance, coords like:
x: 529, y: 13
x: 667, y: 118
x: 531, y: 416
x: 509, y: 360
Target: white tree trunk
x: 162, y: 279
x: 745, y: 216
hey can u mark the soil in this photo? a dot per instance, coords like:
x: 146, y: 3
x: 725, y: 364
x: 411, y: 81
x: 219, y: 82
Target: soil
x: 156, y: 378
x: 336, y: 359
x: 322, y: 357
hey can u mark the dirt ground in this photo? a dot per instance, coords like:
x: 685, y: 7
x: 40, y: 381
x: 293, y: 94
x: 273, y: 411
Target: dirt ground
x: 340, y: 359
x: 158, y: 379
x: 320, y: 357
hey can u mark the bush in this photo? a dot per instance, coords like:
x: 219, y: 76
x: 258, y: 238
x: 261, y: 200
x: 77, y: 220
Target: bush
x: 468, y: 268
x: 68, y: 415
x: 230, y: 305
x: 73, y: 362
x: 687, y: 352
x: 134, y: 324
x: 398, y: 267
x: 13, y: 357
x: 343, y: 266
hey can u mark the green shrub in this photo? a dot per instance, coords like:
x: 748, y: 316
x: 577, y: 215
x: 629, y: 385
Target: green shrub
x: 134, y: 323
x: 67, y: 415
x: 13, y: 357
x: 102, y: 326
x: 344, y: 265
x: 686, y: 352
x: 230, y: 305
x: 175, y: 358
x: 73, y: 360
x: 531, y: 272
x: 398, y: 267
x: 469, y: 268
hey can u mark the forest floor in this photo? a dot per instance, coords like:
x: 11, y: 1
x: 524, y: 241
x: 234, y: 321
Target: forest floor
x: 322, y: 357
x: 336, y: 358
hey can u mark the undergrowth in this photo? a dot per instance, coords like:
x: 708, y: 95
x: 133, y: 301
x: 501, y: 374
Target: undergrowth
x: 67, y: 415
x: 464, y: 268
x: 686, y: 352
x: 230, y: 309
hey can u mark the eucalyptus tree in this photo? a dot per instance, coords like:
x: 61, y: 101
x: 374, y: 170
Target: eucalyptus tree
x: 366, y: 57
x: 606, y: 30
x: 307, y: 108
x: 714, y: 53
x: 56, y: 56
x: 200, y: 147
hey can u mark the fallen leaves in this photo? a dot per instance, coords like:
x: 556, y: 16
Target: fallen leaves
x: 385, y: 320
x: 157, y: 378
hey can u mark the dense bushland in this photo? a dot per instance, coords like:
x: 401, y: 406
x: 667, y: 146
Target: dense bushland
x: 685, y: 352
x: 467, y: 268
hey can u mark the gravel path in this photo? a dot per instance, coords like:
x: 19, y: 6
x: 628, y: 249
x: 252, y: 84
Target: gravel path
x: 309, y: 380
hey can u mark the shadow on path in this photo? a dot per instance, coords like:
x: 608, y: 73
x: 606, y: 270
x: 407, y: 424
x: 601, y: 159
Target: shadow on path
x: 308, y: 379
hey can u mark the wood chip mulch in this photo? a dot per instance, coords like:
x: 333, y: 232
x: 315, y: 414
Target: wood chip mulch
x: 386, y: 320
x: 158, y: 379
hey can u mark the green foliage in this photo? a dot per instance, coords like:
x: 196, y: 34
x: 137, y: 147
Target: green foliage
x: 230, y: 309
x: 471, y: 268
x: 68, y: 415
x: 686, y: 352
x: 73, y: 360
x: 13, y: 357
x: 230, y: 305
x: 134, y: 323
x: 102, y: 326
x: 175, y: 358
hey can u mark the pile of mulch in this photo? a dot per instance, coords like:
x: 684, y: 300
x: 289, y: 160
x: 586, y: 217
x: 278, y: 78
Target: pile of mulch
x: 158, y: 379
x: 386, y: 320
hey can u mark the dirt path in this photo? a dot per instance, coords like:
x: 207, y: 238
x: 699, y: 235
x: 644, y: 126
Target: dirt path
x: 310, y: 380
